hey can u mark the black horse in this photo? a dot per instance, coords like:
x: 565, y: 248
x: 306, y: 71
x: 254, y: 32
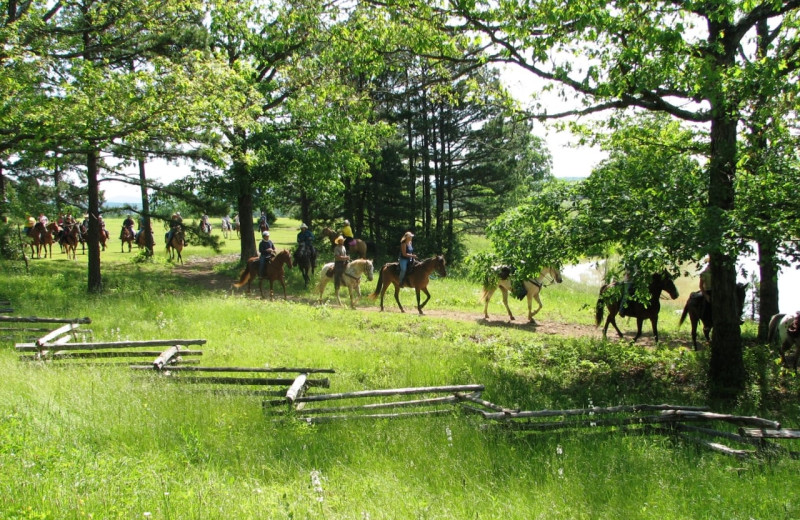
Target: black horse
x: 611, y: 297
x: 305, y: 257
x: 698, y: 309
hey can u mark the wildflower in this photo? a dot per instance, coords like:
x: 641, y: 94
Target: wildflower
x: 316, y: 483
x: 559, y: 450
x: 449, y: 435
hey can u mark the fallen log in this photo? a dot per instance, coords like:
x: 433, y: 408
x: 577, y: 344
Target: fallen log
x: 36, y: 319
x: 320, y: 383
x: 25, y: 347
x: 296, y: 390
x: 765, y: 433
x: 332, y: 418
x: 392, y: 391
x: 69, y: 327
x: 377, y: 406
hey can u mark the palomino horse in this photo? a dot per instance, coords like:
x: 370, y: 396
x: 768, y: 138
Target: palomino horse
x: 126, y: 235
x: 351, y: 278
x: 613, y: 298
x: 359, y: 249
x: 785, y: 330
x: 70, y: 239
x: 698, y: 309
x: 417, y: 277
x: 175, y: 244
x: 274, y: 271
x: 548, y: 276
x: 305, y: 258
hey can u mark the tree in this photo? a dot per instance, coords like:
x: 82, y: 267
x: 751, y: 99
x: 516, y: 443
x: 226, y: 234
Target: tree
x: 691, y: 60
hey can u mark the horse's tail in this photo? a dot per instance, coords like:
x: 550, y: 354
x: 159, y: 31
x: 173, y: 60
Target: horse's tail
x: 772, y: 331
x: 377, y: 287
x: 243, y: 278
x: 685, y: 311
x: 485, y: 293
x: 598, y: 308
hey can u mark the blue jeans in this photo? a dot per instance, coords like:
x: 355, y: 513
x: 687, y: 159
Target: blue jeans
x: 403, y: 268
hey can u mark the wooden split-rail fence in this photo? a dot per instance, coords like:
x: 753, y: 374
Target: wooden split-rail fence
x: 735, y: 435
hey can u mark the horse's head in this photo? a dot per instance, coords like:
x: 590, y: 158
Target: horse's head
x: 664, y: 282
x: 553, y: 272
x: 370, y: 269
x: 440, y: 266
x: 285, y: 257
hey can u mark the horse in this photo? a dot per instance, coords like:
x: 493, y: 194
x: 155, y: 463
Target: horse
x: 417, y: 277
x: 141, y: 239
x: 351, y: 278
x: 698, y: 309
x: 785, y: 330
x: 532, y: 287
x: 305, y: 258
x: 126, y: 235
x: 103, y: 237
x: 274, y: 271
x: 175, y: 244
x: 226, y: 227
x: 70, y: 239
x: 205, y: 227
x: 41, y: 239
x: 359, y: 249
x: 612, y: 300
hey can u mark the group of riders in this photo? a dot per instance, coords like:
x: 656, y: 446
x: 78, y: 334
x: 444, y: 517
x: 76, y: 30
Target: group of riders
x: 64, y: 225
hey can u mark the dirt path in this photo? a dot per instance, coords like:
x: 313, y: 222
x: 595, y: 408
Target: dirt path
x: 200, y: 272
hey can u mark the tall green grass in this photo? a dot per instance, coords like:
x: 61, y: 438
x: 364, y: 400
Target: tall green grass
x: 90, y: 442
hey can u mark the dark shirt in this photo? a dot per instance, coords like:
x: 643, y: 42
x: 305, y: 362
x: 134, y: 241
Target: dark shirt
x: 265, y: 246
x: 305, y: 236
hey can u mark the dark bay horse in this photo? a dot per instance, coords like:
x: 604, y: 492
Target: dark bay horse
x: 698, y: 309
x: 142, y: 239
x: 417, y: 277
x: 126, y: 236
x: 359, y: 249
x: 41, y: 239
x: 175, y: 244
x: 305, y: 258
x: 611, y: 297
x: 70, y: 239
x: 548, y: 276
x: 274, y: 271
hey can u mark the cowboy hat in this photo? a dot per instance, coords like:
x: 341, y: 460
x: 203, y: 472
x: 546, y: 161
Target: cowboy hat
x: 265, y: 234
x: 339, y: 239
x: 303, y: 226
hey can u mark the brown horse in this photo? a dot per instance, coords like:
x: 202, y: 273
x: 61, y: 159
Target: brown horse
x: 103, y: 236
x: 274, y: 271
x: 126, y: 236
x: 142, y: 239
x: 611, y: 297
x: 41, y: 239
x: 359, y: 249
x: 417, y: 277
x: 175, y: 245
x: 70, y: 239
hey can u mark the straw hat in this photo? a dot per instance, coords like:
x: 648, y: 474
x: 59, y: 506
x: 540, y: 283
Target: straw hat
x: 339, y: 239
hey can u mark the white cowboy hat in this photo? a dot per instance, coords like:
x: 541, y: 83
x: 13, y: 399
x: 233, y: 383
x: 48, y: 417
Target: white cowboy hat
x: 339, y: 239
x: 303, y: 226
x: 265, y: 234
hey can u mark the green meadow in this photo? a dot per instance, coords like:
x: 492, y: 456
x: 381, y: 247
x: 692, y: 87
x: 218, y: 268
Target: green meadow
x: 87, y: 441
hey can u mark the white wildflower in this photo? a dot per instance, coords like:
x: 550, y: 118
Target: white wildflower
x: 449, y: 435
x: 559, y: 450
x: 316, y: 483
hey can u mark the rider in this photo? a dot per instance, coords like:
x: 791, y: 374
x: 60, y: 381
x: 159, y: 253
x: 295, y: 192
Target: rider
x: 29, y: 225
x: 347, y: 233
x: 102, y: 223
x: 128, y: 223
x: 340, y: 261
x: 305, y: 236
x: 174, y: 222
x: 205, y: 224
x: 266, y: 251
x: 406, y: 254
x: 705, y: 280
x: 262, y: 222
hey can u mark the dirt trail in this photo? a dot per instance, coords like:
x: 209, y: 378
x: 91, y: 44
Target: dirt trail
x: 200, y: 272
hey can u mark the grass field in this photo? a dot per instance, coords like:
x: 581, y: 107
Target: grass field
x: 89, y: 442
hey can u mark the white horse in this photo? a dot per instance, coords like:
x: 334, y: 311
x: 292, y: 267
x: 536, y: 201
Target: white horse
x: 779, y: 332
x: 351, y: 278
x: 548, y: 276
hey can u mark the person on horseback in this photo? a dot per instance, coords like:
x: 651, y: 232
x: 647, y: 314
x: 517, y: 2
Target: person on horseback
x: 174, y: 222
x: 205, y: 225
x: 266, y: 251
x: 340, y: 261
x: 347, y: 233
x: 705, y: 280
x: 406, y: 254
x: 29, y: 225
x: 103, y: 229
x: 262, y: 222
x: 305, y: 236
x: 127, y: 224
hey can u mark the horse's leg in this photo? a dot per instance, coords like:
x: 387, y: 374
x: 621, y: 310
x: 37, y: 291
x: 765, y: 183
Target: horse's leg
x: 283, y: 284
x: 504, y: 292
x: 694, y: 321
x: 531, y: 297
x: 397, y: 296
x: 427, y: 297
x: 487, y: 297
x: 612, y: 320
x: 639, y: 322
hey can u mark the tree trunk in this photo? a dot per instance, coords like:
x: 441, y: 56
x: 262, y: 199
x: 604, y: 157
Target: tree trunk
x: 305, y: 208
x: 3, y: 217
x: 246, y: 228
x: 149, y: 240
x: 768, y: 287
x: 726, y: 371
x: 93, y: 240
